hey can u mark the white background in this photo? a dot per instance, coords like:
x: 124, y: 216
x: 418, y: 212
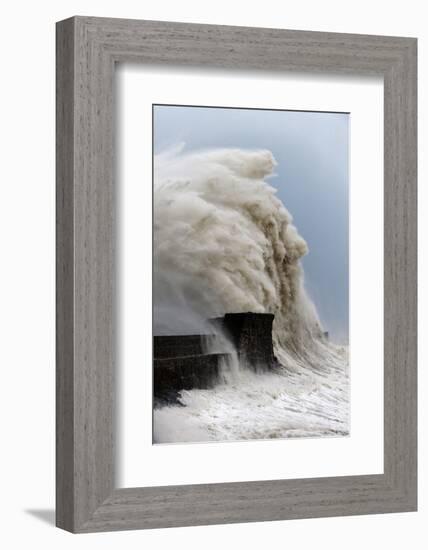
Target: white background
x: 27, y: 273
x: 214, y: 462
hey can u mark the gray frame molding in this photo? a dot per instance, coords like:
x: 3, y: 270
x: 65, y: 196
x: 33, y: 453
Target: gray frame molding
x: 87, y: 50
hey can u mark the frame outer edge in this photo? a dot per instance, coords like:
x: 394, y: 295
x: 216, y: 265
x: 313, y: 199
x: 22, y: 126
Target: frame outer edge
x: 65, y: 57
x: 409, y: 276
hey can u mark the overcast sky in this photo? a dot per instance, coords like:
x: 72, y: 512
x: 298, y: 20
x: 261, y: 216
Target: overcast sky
x: 311, y: 149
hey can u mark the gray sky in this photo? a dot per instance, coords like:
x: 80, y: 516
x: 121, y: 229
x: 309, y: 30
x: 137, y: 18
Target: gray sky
x: 311, y: 149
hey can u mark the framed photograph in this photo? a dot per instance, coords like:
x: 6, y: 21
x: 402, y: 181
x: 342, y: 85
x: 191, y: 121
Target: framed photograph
x: 236, y: 274
x: 231, y: 315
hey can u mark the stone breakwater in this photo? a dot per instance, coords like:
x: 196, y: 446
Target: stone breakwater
x: 185, y: 362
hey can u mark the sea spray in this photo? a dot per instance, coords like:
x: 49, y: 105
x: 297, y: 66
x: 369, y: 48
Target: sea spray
x: 223, y: 242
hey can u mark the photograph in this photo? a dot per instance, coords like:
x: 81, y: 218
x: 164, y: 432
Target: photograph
x: 250, y: 274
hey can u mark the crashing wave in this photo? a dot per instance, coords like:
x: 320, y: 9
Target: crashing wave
x: 224, y: 242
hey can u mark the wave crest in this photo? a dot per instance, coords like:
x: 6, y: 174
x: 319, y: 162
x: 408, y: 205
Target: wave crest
x: 224, y: 242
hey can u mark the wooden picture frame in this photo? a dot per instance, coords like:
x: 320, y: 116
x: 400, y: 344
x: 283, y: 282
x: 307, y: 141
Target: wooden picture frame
x: 87, y: 50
